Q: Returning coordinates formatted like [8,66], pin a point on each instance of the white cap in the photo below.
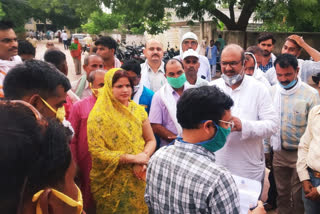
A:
[189,35]
[190,52]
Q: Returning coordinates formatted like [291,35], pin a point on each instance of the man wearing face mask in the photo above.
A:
[293,99]
[40,84]
[79,143]
[163,107]
[141,94]
[253,115]
[190,181]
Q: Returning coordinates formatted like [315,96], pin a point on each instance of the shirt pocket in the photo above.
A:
[299,114]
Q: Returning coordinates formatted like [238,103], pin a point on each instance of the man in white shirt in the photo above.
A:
[190,41]
[191,66]
[152,70]
[8,51]
[293,45]
[64,37]
[253,115]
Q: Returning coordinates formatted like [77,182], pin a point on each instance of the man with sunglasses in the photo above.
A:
[190,41]
[40,84]
[254,117]
[191,66]
[8,51]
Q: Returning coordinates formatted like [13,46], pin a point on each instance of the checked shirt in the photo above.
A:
[183,178]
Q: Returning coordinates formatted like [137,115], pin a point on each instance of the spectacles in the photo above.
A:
[232,63]
[231,124]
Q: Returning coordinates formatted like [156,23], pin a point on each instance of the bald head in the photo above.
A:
[235,50]
[153,51]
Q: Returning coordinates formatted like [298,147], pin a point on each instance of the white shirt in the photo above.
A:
[307,68]
[153,80]
[243,153]
[259,75]
[64,36]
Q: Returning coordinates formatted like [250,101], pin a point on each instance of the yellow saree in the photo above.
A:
[114,129]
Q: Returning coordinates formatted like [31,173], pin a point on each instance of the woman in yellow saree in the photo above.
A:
[121,142]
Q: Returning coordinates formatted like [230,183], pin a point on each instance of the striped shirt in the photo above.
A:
[184,178]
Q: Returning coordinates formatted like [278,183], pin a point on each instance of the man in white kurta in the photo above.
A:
[253,115]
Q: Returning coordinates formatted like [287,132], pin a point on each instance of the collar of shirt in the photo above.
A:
[190,147]
[318,112]
[160,69]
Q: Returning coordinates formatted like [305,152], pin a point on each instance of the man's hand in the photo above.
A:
[237,124]
[299,40]
[268,160]
[313,194]
[307,186]
[259,209]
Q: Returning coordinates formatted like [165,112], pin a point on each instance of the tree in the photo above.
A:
[289,15]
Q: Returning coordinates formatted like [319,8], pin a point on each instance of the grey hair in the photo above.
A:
[92,74]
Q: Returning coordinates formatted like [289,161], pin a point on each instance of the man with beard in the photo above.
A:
[293,99]
[8,51]
[191,65]
[266,42]
[254,117]
[152,70]
[293,45]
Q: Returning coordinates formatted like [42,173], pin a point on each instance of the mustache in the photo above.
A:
[13,48]
[285,82]
[230,72]
[156,55]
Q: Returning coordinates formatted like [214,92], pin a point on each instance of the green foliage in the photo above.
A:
[2,13]
[289,15]
[99,21]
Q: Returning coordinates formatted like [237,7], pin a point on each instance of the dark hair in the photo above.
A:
[172,60]
[19,148]
[55,57]
[255,50]
[25,47]
[121,73]
[31,77]
[108,42]
[55,157]
[220,36]
[294,42]
[6,25]
[132,65]
[203,103]
[286,60]
[265,36]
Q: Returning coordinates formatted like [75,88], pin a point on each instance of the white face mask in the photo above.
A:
[136,88]
[230,81]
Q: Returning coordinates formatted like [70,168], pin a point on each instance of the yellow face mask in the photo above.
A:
[94,90]
[60,112]
[71,202]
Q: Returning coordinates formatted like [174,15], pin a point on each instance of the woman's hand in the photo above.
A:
[141,158]
[140,171]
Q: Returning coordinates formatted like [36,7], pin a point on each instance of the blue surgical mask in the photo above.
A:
[217,141]
[291,84]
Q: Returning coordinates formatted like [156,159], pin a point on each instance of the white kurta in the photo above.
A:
[243,153]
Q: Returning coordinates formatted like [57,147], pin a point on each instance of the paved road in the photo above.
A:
[41,49]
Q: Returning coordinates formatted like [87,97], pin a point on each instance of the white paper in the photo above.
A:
[249,192]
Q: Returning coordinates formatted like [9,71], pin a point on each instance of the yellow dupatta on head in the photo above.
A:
[113,129]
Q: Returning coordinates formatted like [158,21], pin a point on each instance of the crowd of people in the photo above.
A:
[160,137]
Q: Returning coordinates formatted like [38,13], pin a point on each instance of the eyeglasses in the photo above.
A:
[231,124]
[232,63]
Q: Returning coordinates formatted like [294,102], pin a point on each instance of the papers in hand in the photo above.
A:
[249,192]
